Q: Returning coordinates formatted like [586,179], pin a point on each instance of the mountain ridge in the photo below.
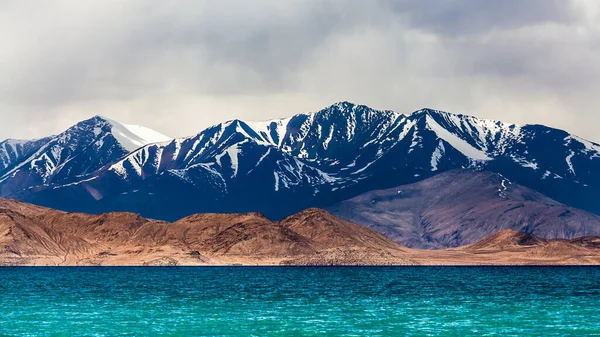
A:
[281,166]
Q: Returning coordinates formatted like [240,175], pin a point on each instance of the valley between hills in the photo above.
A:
[36,236]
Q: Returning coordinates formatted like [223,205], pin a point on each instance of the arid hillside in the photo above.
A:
[32,235]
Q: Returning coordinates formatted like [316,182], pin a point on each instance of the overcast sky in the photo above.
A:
[181,66]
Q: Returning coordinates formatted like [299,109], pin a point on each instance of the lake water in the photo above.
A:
[291,301]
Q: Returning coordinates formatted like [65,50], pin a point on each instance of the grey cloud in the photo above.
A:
[181,66]
[224,48]
[466,17]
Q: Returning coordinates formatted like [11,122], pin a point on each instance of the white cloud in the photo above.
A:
[179,67]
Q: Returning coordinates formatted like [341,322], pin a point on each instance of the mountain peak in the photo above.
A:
[81,149]
[432,112]
[130,136]
[343,104]
[99,118]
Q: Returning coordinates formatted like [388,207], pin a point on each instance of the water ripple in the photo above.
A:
[288,301]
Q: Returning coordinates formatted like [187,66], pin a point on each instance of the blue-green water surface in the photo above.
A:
[282,301]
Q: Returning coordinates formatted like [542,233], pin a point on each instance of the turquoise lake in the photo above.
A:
[292,301]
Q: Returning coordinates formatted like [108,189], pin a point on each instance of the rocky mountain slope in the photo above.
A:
[280,167]
[461,207]
[33,235]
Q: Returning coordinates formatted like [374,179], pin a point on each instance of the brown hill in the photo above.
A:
[36,235]
[505,240]
[330,231]
[346,243]
[31,235]
[461,207]
[510,247]
[510,241]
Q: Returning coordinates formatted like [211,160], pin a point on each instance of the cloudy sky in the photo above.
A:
[181,66]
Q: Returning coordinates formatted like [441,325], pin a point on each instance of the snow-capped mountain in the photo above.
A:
[64,159]
[281,166]
[12,151]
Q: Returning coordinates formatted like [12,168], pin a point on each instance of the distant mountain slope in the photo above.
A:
[280,167]
[460,207]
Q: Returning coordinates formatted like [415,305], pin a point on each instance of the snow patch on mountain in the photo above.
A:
[524,162]
[232,152]
[13,150]
[132,137]
[459,144]
[490,135]
[591,149]
[181,174]
[437,155]
[75,183]
[276,175]
[10,148]
[261,159]
[328,139]
[569,163]
[502,190]
[272,131]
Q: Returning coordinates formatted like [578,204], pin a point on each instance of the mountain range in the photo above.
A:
[280,167]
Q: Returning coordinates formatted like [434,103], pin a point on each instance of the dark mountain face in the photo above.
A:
[460,207]
[312,160]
